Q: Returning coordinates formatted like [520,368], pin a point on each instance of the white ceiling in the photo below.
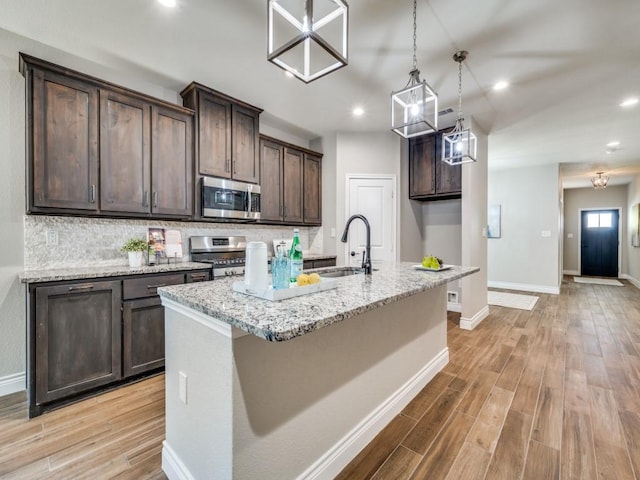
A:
[570,63]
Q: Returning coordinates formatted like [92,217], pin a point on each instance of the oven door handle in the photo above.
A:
[247,203]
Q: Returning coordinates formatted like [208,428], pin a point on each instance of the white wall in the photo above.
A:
[411,215]
[442,233]
[633,257]
[474,242]
[522,258]
[576,199]
[12,206]
[364,153]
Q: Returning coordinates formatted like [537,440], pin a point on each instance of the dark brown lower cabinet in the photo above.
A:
[77,342]
[325,262]
[142,336]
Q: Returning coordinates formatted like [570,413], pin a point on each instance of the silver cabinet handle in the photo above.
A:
[82,287]
[155,199]
[92,194]
[145,199]
[156,286]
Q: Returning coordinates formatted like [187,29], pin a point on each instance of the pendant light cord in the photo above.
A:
[459,90]
[415,56]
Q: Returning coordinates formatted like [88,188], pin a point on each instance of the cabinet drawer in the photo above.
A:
[148,286]
[193,277]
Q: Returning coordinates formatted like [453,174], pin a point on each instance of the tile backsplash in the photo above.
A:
[97,241]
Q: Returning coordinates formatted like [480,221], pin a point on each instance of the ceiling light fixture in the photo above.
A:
[168,3]
[414,109]
[613,144]
[599,181]
[358,112]
[501,85]
[459,145]
[307,38]
[629,102]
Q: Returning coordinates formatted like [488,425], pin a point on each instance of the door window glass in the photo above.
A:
[599,220]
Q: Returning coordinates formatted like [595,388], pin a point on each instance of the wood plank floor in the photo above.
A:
[552,393]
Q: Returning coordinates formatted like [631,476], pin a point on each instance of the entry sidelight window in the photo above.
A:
[599,220]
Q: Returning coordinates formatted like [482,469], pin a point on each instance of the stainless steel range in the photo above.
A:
[225,254]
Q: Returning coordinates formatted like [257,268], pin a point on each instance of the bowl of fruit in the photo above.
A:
[431,263]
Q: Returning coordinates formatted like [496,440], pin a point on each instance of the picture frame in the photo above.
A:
[635,225]
[493,221]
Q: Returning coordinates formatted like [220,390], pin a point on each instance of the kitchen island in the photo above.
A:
[296,388]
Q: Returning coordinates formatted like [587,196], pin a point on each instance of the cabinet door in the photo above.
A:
[142,336]
[214,136]
[124,153]
[63,114]
[293,164]
[77,338]
[171,163]
[245,137]
[312,190]
[271,155]
[422,152]
[448,177]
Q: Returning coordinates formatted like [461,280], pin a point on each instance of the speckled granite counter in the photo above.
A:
[287,319]
[237,406]
[78,273]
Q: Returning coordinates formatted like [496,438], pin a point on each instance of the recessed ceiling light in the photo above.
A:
[168,3]
[358,111]
[629,102]
[613,144]
[501,85]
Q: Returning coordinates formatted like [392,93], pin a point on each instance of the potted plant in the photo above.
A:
[134,247]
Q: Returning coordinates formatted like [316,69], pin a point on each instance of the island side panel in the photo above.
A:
[199,432]
[301,408]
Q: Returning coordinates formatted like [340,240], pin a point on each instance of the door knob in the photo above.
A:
[353,254]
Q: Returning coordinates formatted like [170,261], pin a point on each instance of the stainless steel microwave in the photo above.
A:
[222,198]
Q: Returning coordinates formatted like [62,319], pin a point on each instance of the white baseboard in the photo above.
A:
[471,323]
[16,382]
[172,466]
[571,272]
[525,287]
[633,281]
[338,456]
[454,307]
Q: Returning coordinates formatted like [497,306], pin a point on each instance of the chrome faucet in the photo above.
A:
[366,258]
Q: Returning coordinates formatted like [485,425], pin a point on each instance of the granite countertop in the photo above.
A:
[77,273]
[287,319]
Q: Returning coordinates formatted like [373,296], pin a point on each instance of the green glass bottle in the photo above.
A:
[295,256]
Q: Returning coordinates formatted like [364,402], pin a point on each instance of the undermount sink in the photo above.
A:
[343,272]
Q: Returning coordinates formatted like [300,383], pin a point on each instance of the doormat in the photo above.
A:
[512,300]
[598,281]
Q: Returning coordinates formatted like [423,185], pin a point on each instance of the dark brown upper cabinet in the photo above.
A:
[227,134]
[125,153]
[312,190]
[291,183]
[100,149]
[429,177]
[62,145]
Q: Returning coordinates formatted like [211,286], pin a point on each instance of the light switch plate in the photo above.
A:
[569,235]
[546,233]
[182,387]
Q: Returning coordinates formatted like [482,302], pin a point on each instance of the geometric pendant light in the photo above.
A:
[414,109]
[307,38]
[459,145]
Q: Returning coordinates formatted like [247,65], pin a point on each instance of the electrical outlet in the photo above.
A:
[452,297]
[52,237]
[333,233]
[182,387]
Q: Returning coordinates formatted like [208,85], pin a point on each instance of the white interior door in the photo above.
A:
[375,198]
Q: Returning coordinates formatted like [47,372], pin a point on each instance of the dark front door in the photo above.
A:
[599,243]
